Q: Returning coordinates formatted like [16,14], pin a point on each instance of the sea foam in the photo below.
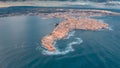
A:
[68,49]
[70,34]
[110,28]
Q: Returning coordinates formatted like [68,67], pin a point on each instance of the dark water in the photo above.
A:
[20,45]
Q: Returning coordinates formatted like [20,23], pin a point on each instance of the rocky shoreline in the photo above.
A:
[74,20]
[69,24]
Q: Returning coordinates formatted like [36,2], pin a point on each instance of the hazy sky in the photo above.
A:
[63,0]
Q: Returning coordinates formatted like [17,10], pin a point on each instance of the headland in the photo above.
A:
[72,21]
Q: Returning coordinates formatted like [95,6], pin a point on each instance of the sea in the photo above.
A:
[20,41]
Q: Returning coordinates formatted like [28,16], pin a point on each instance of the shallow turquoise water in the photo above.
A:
[20,45]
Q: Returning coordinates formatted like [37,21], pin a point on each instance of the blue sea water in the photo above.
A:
[20,45]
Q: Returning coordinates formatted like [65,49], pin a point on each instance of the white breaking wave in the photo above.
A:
[110,28]
[78,41]
[70,34]
[109,5]
[68,49]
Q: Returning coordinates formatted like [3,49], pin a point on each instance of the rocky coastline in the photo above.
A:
[68,24]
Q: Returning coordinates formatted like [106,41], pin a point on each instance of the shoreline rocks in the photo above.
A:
[70,23]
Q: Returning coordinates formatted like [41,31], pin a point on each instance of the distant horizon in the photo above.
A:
[62,0]
[113,4]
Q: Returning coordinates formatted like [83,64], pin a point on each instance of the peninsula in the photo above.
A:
[74,19]
[68,24]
